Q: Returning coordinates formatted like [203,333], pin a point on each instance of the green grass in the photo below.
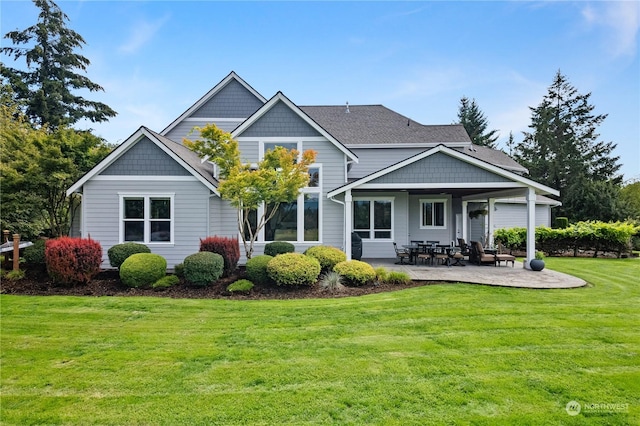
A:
[444,354]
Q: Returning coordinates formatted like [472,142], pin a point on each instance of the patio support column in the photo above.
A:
[465,218]
[491,221]
[531,227]
[347,223]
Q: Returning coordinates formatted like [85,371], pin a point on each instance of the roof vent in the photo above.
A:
[347,111]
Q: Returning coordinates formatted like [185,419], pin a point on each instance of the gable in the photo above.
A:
[232,101]
[145,159]
[439,168]
[279,121]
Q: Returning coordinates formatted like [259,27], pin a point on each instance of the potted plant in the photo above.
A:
[537,264]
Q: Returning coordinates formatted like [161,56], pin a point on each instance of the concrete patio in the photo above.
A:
[503,276]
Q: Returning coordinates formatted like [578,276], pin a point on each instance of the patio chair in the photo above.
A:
[465,249]
[479,256]
[501,256]
[401,254]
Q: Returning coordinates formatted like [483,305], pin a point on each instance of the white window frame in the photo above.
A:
[147,216]
[372,230]
[432,201]
[276,141]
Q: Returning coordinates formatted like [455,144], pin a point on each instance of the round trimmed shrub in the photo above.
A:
[240,286]
[165,282]
[72,260]
[120,252]
[203,268]
[256,269]
[293,269]
[355,272]
[34,255]
[328,256]
[278,247]
[142,269]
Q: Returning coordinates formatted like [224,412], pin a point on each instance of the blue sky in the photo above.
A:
[156,58]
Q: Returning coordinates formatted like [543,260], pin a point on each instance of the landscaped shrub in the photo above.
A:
[119,253]
[331,281]
[355,272]
[34,255]
[381,274]
[278,247]
[165,282]
[228,248]
[72,260]
[203,268]
[328,256]
[256,269]
[15,275]
[142,269]
[179,270]
[398,277]
[240,286]
[293,269]
[561,222]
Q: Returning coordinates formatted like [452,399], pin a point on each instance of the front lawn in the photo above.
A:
[428,355]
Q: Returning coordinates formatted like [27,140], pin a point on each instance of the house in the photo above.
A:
[378,173]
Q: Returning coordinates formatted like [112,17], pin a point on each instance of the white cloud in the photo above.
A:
[621,19]
[141,34]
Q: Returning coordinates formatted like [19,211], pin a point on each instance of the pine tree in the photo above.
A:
[562,150]
[47,85]
[475,123]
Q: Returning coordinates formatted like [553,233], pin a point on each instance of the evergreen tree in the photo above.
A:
[50,79]
[562,151]
[475,123]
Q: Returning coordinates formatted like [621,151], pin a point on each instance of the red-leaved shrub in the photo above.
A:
[226,247]
[73,260]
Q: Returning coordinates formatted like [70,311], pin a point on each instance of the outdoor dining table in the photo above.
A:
[413,252]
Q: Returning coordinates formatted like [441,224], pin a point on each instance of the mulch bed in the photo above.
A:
[107,283]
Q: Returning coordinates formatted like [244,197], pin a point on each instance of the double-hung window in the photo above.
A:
[373,218]
[146,218]
[433,214]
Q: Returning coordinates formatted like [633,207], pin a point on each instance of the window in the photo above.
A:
[146,218]
[373,218]
[433,214]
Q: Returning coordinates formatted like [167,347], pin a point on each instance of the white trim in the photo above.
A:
[423,145]
[440,185]
[147,196]
[214,119]
[516,179]
[146,178]
[372,228]
[261,143]
[445,202]
[280,97]
[210,94]
[282,139]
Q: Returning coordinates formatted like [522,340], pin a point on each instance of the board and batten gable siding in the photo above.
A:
[279,121]
[232,101]
[184,129]
[101,214]
[145,159]
[374,159]
[440,168]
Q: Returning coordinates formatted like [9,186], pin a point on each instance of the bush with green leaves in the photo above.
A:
[142,269]
[355,272]
[240,286]
[34,255]
[293,269]
[398,277]
[381,274]
[120,252]
[256,269]
[15,275]
[178,269]
[203,268]
[331,281]
[328,256]
[165,282]
[275,248]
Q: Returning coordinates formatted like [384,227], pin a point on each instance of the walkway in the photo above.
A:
[503,276]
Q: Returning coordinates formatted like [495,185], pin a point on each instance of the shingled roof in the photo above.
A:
[377,124]
[494,156]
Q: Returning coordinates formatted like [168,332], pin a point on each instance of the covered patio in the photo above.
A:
[501,276]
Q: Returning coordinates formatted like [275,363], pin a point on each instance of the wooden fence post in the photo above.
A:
[16,252]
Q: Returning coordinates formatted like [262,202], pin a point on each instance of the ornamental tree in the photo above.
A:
[277,178]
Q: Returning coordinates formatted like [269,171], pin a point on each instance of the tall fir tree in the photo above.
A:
[475,123]
[51,78]
[562,151]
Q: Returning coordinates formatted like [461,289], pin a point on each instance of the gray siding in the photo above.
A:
[440,168]
[515,215]
[374,159]
[183,129]
[102,221]
[145,159]
[280,121]
[445,235]
[232,101]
